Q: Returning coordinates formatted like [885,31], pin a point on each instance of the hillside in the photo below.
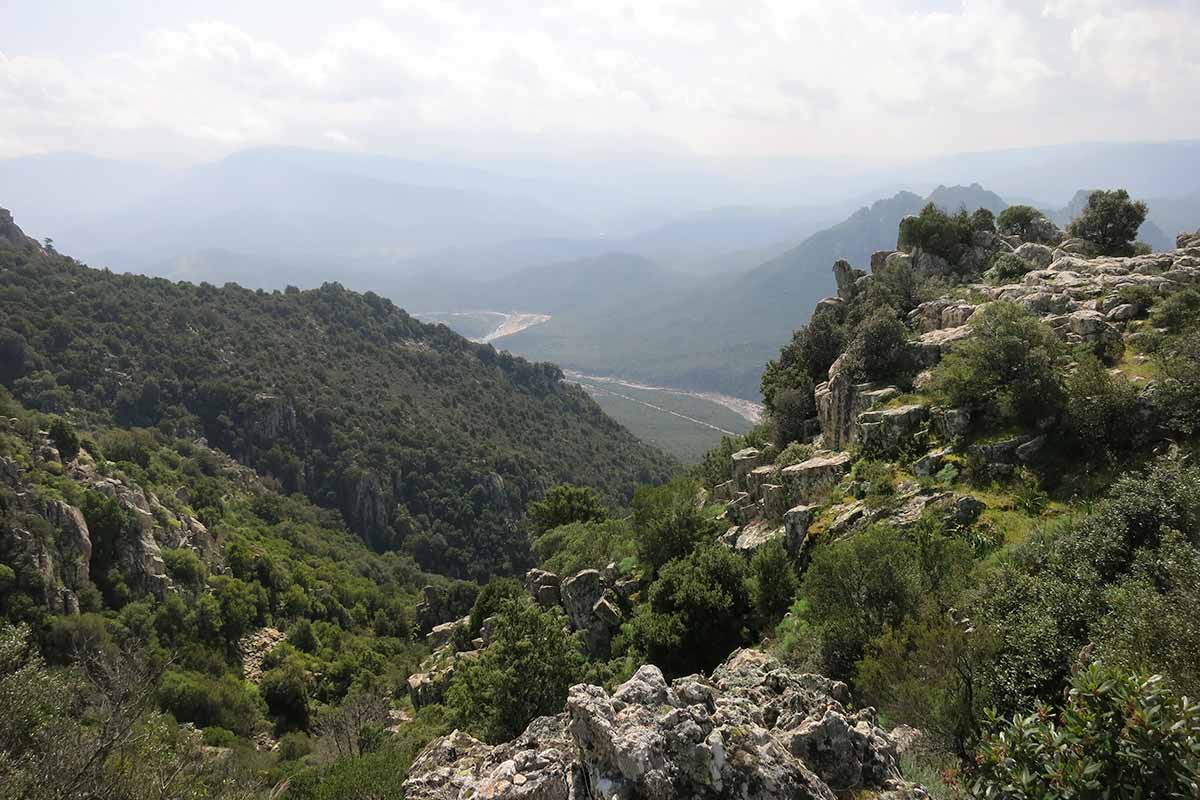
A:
[422,439]
[743,318]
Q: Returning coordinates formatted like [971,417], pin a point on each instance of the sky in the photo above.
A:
[188,80]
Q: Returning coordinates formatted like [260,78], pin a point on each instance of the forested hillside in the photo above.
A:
[422,439]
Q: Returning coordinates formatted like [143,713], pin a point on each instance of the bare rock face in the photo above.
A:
[808,479]
[12,236]
[753,730]
[890,431]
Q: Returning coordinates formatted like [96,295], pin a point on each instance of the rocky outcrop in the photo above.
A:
[254,648]
[839,402]
[747,539]
[891,431]
[427,686]
[753,730]
[846,278]
[808,480]
[595,602]
[12,236]
[744,462]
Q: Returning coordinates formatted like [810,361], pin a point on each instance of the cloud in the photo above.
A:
[723,78]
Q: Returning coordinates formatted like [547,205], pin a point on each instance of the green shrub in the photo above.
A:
[294,746]
[564,504]
[567,549]
[491,598]
[1007,369]
[792,409]
[1023,221]
[524,673]
[880,351]
[1118,735]
[184,566]
[774,583]
[794,453]
[1101,411]
[285,690]
[65,439]
[227,702]
[669,523]
[1137,294]
[1177,311]
[216,736]
[1007,268]
[934,231]
[1110,221]
[881,570]
[696,611]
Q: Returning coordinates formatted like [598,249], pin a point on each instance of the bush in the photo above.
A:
[216,736]
[227,702]
[806,359]
[1007,268]
[1137,294]
[669,523]
[1007,369]
[490,600]
[793,407]
[774,582]
[294,746]
[983,220]
[1023,221]
[564,504]
[934,231]
[880,350]
[285,690]
[1117,735]
[524,673]
[1177,311]
[1110,221]
[696,611]
[184,566]
[65,439]
[1101,413]
[880,569]
[567,549]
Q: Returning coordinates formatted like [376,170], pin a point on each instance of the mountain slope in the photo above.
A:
[717,336]
[421,438]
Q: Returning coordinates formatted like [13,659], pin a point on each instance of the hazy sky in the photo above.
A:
[188,79]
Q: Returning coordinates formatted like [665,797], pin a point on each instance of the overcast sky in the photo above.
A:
[189,79]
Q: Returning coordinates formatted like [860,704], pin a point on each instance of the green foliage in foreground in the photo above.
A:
[524,673]
[1118,736]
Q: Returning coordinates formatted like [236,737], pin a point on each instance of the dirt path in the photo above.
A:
[747,409]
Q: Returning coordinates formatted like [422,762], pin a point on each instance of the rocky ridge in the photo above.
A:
[753,729]
[1077,293]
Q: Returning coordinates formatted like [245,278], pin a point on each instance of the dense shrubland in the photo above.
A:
[424,441]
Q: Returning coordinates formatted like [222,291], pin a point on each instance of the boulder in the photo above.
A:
[756,478]
[950,424]
[796,522]
[443,634]
[889,431]
[931,346]
[744,461]
[747,539]
[580,593]
[931,463]
[544,587]
[846,277]
[774,500]
[741,509]
[1122,313]
[723,492]
[806,481]
[1037,254]
[1186,241]
[966,509]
